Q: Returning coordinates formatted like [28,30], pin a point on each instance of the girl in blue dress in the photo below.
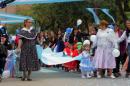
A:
[86,65]
[10,60]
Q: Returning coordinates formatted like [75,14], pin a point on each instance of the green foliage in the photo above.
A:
[54,16]
[61,15]
[11,29]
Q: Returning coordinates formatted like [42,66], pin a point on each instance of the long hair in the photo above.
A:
[127,30]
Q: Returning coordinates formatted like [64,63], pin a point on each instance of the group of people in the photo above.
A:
[108,38]
[19,55]
[96,55]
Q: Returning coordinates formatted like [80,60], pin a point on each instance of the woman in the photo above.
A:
[105,44]
[52,39]
[28,57]
[59,43]
[126,36]
[75,36]
[40,38]
[122,47]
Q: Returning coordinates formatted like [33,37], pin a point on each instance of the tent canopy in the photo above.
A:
[12,18]
[11,21]
[20,2]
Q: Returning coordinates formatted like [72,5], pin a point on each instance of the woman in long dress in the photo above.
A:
[28,58]
[105,44]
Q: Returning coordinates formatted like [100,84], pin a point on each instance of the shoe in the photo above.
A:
[127,75]
[117,74]
[71,70]
[29,79]
[99,76]
[112,76]
[83,77]
[22,79]
[89,76]
[18,77]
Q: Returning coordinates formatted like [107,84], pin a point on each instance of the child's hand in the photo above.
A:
[18,50]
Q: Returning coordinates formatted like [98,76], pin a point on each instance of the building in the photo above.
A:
[14,9]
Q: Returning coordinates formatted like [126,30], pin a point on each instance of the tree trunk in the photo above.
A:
[120,7]
[126,5]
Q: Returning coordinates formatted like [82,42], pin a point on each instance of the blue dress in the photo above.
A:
[10,61]
[86,64]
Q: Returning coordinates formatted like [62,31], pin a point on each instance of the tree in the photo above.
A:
[61,15]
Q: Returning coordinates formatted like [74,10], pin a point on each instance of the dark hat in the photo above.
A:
[4,35]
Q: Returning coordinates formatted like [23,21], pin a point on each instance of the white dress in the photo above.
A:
[106,42]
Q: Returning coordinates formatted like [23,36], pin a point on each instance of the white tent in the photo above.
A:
[20,2]
[12,18]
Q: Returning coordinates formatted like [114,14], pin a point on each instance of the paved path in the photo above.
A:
[53,77]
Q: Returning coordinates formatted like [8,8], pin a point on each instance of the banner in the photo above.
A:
[50,58]
[106,11]
[96,18]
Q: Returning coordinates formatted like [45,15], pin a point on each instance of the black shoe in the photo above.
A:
[18,77]
[117,74]
[127,75]
[22,79]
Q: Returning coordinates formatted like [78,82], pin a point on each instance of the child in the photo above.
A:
[86,65]
[10,61]
[73,66]
[68,52]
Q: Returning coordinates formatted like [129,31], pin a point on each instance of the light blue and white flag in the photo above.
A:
[48,57]
[96,18]
[106,11]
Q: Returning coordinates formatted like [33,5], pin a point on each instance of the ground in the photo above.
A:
[56,77]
